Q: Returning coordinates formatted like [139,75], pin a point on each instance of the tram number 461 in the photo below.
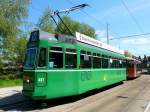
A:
[41,80]
[85,76]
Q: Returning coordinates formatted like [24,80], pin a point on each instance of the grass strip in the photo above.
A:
[9,83]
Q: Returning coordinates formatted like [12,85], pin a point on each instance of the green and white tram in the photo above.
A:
[58,66]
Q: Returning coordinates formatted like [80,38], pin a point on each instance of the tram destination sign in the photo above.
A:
[86,39]
[66,39]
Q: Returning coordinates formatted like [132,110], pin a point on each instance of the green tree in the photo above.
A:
[45,23]
[128,54]
[12,15]
[21,47]
[12,12]
[74,26]
[9,48]
[87,30]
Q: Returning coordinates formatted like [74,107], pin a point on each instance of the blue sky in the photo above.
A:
[112,12]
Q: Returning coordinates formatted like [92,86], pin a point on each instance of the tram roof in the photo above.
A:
[101,50]
[133,59]
[70,39]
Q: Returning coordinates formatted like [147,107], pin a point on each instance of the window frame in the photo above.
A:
[73,52]
[97,57]
[104,58]
[90,55]
[35,60]
[45,59]
[49,58]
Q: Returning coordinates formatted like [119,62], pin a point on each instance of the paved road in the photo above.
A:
[8,91]
[10,95]
[132,96]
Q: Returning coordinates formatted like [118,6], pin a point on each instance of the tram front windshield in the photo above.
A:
[30,58]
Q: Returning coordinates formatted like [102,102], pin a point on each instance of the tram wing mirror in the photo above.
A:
[51,64]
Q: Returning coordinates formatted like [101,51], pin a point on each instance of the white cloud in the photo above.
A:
[101,35]
[137,46]
[135,41]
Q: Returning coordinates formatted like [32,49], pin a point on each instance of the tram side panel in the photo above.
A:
[56,84]
[99,78]
[62,83]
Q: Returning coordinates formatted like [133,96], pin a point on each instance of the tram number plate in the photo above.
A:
[41,79]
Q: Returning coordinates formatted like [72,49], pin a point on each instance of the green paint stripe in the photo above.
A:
[71,70]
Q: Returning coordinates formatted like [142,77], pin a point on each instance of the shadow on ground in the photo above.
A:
[30,105]
[145,73]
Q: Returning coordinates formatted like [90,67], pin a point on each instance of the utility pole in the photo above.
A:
[107,33]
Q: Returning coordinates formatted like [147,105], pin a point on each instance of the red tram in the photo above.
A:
[133,68]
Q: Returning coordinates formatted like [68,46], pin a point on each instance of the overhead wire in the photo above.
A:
[132,16]
[129,36]
[119,37]
[94,18]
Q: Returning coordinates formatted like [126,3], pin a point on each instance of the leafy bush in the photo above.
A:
[10,76]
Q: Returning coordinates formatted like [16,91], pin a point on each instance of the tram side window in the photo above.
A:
[97,62]
[110,62]
[120,64]
[113,65]
[70,58]
[42,57]
[85,60]
[117,63]
[105,63]
[124,64]
[56,57]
